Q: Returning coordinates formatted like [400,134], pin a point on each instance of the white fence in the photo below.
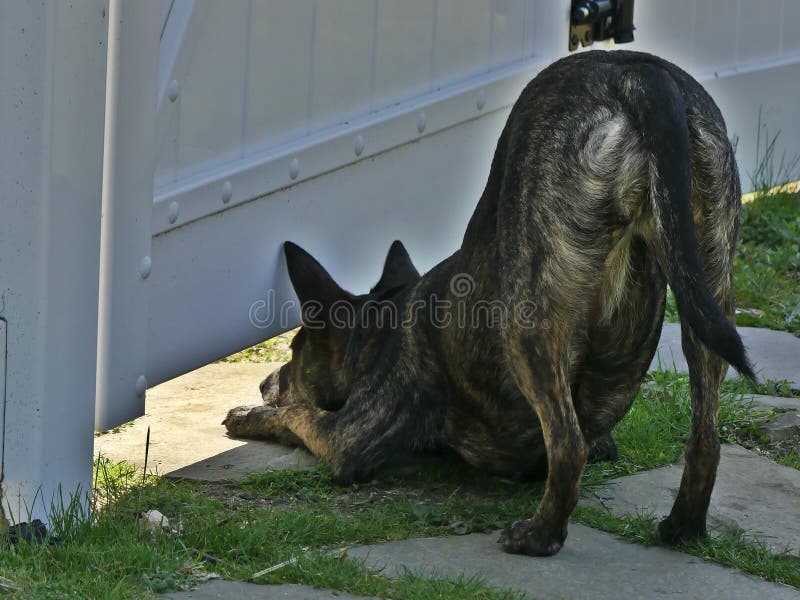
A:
[233,126]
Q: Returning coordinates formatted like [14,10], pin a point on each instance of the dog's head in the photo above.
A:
[334,329]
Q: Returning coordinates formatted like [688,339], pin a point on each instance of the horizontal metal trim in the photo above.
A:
[260,175]
[745,68]
[278,168]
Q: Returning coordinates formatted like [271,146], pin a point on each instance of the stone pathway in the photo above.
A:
[775,354]
[783,425]
[753,495]
[219,589]
[592,565]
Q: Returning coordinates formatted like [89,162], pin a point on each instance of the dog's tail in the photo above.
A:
[656,103]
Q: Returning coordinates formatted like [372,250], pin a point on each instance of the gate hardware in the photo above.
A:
[597,20]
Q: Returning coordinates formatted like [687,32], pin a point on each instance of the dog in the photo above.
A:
[612,178]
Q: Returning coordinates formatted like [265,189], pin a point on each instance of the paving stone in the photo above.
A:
[592,565]
[782,426]
[187,438]
[297,460]
[219,589]
[762,402]
[774,353]
[752,495]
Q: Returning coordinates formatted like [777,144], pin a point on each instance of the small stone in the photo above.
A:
[154,520]
[32,533]
[782,426]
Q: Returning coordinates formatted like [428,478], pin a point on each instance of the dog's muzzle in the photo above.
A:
[274,385]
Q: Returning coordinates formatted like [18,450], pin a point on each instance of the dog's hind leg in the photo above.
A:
[718,205]
[687,519]
[539,368]
[620,346]
[374,424]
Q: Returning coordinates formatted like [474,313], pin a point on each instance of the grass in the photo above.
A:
[792,459]
[767,264]
[114,556]
[276,349]
[236,530]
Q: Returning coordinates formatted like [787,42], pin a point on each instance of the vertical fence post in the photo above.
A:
[128,167]
[52,98]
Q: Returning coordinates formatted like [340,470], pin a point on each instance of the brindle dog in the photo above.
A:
[613,176]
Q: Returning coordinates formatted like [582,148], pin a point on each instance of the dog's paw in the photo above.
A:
[262,422]
[670,532]
[525,537]
[604,449]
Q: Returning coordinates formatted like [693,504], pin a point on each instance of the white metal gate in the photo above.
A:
[233,126]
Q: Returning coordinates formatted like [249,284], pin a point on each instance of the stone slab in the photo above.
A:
[781,427]
[775,354]
[219,589]
[762,402]
[752,494]
[187,438]
[592,565]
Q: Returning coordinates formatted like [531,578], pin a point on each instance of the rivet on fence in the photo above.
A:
[227,192]
[480,101]
[145,266]
[173,212]
[141,385]
[173,90]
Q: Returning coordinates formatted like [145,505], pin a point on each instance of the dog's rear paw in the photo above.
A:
[670,532]
[524,537]
[604,449]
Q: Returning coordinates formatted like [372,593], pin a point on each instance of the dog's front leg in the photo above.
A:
[351,442]
[567,451]
[259,422]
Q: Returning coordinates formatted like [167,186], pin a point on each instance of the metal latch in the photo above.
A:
[597,20]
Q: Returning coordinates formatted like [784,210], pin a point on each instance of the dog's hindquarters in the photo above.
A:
[695,202]
[568,241]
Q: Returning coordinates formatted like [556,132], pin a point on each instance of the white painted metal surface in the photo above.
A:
[747,54]
[339,124]
[300,90]
[52,91]
[362,99]
[128,163]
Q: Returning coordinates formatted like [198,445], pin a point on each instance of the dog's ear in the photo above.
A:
[310,280]
[398,270]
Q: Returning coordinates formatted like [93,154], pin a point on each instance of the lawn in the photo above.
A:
[767,265]
[236,530]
